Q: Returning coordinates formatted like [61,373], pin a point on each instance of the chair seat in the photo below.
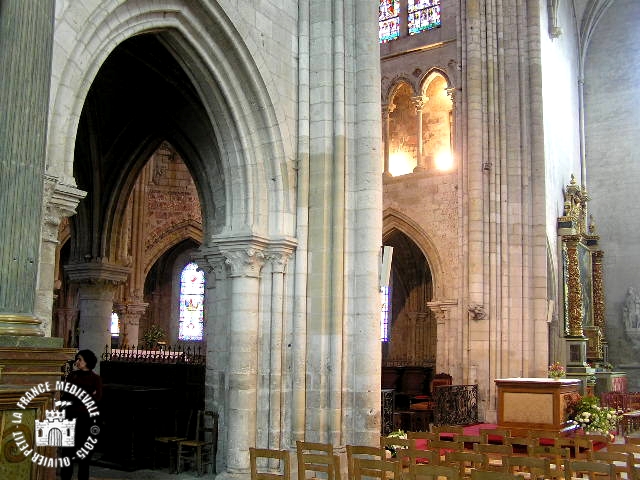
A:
[169,439]
[193,443]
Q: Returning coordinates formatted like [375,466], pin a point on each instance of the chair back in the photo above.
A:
[466,461]
[269,464]
[498,435]
[450,429]
[419,456]
[433,472]
[580,445]
[588,469]
[317,458]
[362,451]
[536,468]
[495,453]
[621,461]
[493,475]
[382,469]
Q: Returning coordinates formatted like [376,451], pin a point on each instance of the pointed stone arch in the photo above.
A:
[250,152]
[395,220]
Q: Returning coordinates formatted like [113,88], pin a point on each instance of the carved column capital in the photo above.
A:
[60,201]
[441,309]
[245,262]
[418,102]
[97,273]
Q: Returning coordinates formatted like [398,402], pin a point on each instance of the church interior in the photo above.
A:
[316,224]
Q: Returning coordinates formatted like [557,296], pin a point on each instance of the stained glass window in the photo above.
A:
[115,324]
[385,294]
[423,15]
[191,323]
[389,20]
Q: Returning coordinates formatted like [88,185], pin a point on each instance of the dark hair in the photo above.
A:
[89,358]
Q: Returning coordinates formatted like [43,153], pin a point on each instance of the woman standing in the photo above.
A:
[84,377]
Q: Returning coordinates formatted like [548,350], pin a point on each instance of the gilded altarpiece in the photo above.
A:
[583,285]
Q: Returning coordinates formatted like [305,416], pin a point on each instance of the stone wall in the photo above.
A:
[612,108]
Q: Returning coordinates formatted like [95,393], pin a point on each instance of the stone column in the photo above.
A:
[66,324]
[418,104]
[278,261]
[441,310]
[130,313]
[245,264]
[26,39]
[97,284]
[387,109]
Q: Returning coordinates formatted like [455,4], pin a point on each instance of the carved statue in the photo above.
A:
[631,310]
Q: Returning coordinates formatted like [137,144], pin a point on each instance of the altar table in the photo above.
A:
[535,403]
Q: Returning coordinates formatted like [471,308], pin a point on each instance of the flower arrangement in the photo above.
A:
[393,449]
[556,370]
[152,336]
[587,414]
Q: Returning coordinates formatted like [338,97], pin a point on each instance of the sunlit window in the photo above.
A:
[385,294]
[389,20]
[423,15]
[191,323]
[115,324]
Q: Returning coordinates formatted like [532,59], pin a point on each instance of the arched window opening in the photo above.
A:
[403,133]
[115,325]
[423,15]
[385,294]
[437,124]
[191,320]
[389,20]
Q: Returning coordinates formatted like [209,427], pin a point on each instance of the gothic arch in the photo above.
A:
[243,120]
[394,220]
[429,75]
[395,85]
[170,238]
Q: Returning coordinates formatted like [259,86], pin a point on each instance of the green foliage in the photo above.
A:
[152,336]
[587,414]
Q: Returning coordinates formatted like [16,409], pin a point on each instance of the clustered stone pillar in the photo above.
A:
[26,40]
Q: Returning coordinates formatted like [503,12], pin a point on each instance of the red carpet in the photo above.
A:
[477,430]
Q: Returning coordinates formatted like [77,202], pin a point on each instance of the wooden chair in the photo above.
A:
[496,433]
[317,458]
[632,440]
[466,462]
[381,469]
[468,441]
[580,445]
[397,446]
[622,462]
[495,453]
[433,472]
[362,451]
[556,456]
[492,475]
[448,430]
[587,469]
[166,442]
[202,449]
[543,437]
[445,446]
[520,445]
[530,467]
[263,464]
[419,456]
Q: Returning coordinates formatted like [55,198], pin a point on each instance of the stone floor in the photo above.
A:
[101,473]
